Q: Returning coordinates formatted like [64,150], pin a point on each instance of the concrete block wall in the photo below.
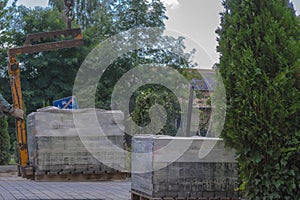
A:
[55,145]
[215,175]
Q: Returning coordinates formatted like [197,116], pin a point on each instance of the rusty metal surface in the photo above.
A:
[69,14]
[52,35]
[46,47]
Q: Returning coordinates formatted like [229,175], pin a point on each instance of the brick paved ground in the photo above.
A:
[16,188]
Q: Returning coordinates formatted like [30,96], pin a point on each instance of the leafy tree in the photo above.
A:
[130,14]
[4,142]
[156,94]
[50,75]
[5,39]
[137,13]
[59,4]
[46,76]
[124,14]
[3,12]
[86,11]
[112,17]
[260,48]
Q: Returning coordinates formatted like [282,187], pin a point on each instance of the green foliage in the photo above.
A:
[59,4]
[139,13]
[150,95]
[190,74]
[260,56]
[4,142]
[102,19]
[140,57]
[47,76]
[113,16]
[44,76]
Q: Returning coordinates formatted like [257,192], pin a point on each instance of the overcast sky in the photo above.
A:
[197,19]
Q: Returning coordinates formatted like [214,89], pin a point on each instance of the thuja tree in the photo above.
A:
[259,59]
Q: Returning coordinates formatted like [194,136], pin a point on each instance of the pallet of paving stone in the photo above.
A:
[77,177]
[189,175]
[60,146]
[56,154]
[139,196]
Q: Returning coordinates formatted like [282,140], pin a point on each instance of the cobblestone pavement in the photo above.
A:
[16,188]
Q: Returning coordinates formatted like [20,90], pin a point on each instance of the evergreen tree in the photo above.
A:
[4,142]
[260,53]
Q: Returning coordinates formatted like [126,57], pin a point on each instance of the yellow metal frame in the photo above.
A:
[18,103]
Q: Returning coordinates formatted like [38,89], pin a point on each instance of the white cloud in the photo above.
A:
[171,4]
[31,3]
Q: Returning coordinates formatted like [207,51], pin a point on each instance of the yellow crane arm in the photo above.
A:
[74,39]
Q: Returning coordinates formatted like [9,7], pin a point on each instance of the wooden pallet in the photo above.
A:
[58,177]
[139,196]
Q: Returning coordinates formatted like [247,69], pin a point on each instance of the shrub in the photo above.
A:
[4,142]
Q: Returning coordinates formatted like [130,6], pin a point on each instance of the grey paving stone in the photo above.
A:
[5,195]
[28,190]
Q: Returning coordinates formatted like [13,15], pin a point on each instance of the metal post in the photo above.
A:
[69,13]
[189,112]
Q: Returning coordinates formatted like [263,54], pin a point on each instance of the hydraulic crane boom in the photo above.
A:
[74,39]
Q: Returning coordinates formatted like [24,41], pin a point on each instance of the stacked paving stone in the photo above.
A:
[57,146]
[175,171]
